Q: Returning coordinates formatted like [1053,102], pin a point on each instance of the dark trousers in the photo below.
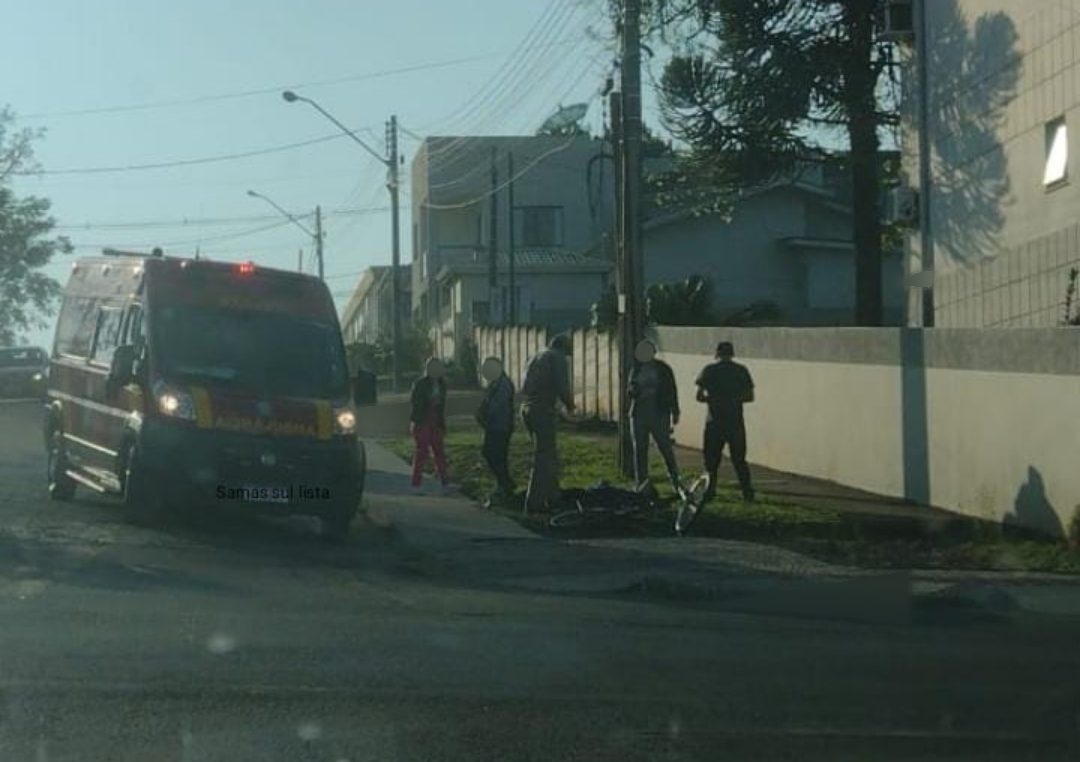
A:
[734,437]
[644,426]
[543,493]
[496,452]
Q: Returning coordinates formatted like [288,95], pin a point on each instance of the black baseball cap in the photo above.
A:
[725,349]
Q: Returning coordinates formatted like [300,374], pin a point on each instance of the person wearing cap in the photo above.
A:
[654,408]
[496,418]
[725,386]
[547,382]
[427,422]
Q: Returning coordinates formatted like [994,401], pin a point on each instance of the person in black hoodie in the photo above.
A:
[654,408]
[496,418]
[427,422]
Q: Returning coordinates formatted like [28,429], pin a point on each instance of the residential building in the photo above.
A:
[562,197]
[788,243]
[367,316]
[1002,108]
[553,288]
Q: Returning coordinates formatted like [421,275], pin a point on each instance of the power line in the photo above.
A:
[268,90]
[184,162]
[209,221]
[517,86]
[517,176]
[484,102]
[514,57]
[479,166]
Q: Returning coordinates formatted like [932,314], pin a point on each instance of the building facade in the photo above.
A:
[1002,112]
[367,317]
[554,289]
[461,204]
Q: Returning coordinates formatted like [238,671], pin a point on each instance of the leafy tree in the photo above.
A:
[27,296]
[755,88]
[686,303]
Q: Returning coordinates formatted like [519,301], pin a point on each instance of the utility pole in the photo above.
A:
[631,143]
[628,156]
[622,288]
[395,266]
[300,261]
[318,239]
[493,237]
[510,242]
[924,302]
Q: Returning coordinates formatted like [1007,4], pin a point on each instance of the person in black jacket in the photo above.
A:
[725,386]
[496,418]
[654,408]
[427,422]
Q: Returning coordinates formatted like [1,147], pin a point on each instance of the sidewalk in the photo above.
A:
[453,536]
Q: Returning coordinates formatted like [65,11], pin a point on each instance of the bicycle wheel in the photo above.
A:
[691,505]
[579,516]
[567,520]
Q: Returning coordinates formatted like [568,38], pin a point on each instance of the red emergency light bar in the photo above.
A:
[245,268]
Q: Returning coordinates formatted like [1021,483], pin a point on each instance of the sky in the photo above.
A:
[125,83]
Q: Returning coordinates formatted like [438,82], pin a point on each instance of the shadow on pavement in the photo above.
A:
[23,560]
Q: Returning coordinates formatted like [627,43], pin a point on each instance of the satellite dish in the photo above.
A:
[565,116]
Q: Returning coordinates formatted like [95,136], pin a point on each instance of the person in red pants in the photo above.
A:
[427,422]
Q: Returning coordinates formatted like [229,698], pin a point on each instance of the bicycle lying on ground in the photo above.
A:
[602,502]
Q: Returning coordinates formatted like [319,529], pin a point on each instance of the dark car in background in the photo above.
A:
[23,372]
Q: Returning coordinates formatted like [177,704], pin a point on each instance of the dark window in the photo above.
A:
[133,327]
[538,226]
[107,335]
[481,313]
[75,328]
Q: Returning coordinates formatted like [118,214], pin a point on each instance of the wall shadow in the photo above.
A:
[974,73]
[914,423]
[1032,510]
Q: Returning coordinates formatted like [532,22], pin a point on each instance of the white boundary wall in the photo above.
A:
[984,422]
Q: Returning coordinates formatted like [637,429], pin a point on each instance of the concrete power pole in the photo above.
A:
[510,229]
[300,261]
[631,153]
[924,302]
[493,236]
[626,447]
[395,267]
[318,240]
[626,122]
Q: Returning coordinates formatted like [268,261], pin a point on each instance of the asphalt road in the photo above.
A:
[233,639]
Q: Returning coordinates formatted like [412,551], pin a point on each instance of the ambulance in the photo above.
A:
[178,383]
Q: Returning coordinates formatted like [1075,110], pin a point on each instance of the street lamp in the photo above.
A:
[317,234]
[391,163]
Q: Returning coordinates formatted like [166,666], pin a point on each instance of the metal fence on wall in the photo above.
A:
[594,363]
